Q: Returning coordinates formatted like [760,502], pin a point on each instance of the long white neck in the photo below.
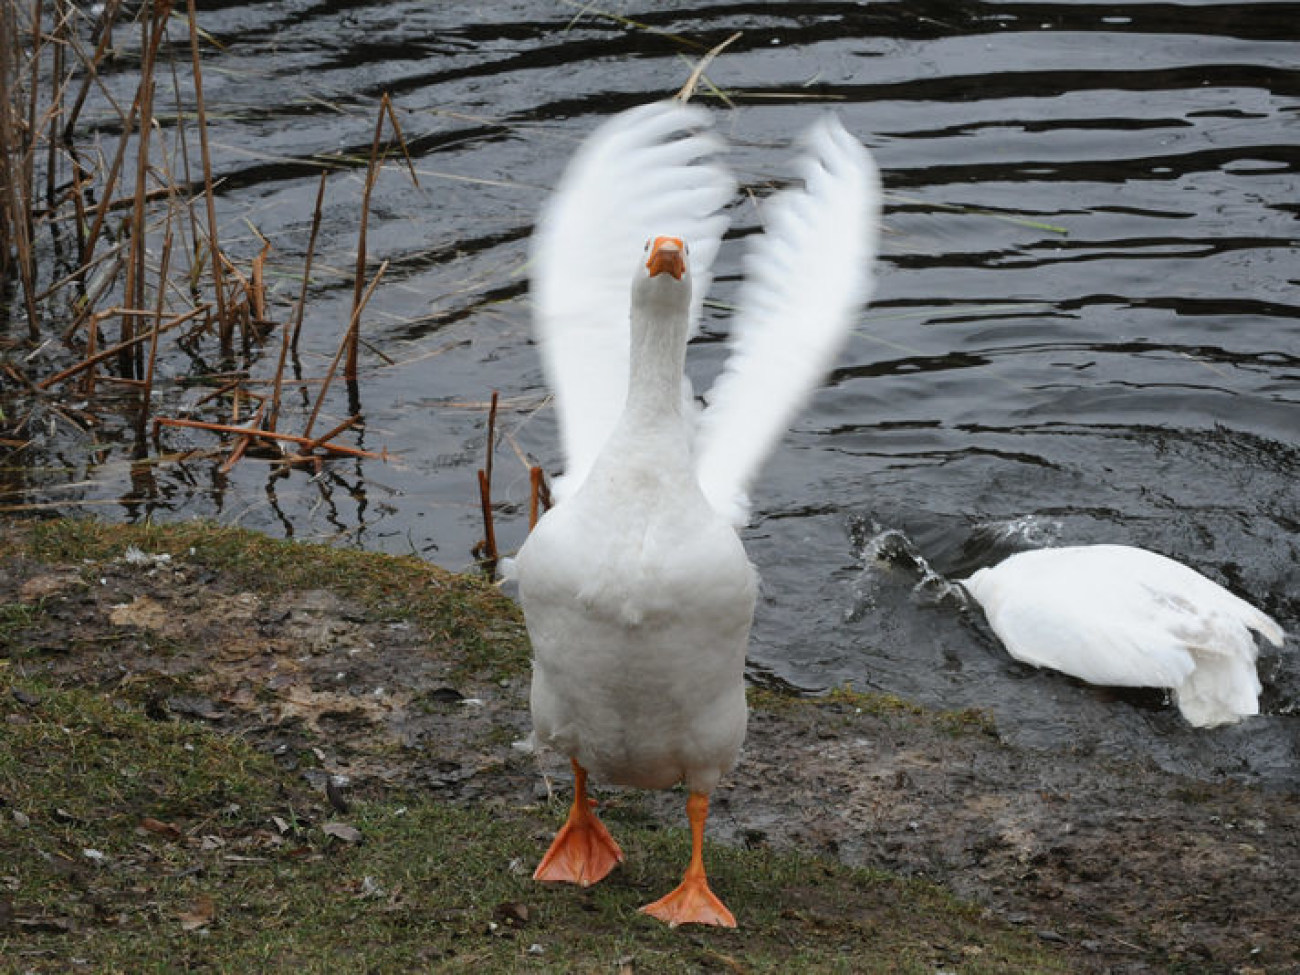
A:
[657,353]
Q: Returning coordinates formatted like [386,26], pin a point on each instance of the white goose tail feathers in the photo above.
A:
[806,278]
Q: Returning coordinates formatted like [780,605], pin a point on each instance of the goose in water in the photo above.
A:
[636,590]
[1122,616]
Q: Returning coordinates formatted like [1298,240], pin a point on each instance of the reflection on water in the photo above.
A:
[1087,323]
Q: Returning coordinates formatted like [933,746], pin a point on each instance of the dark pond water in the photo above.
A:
[1087,325]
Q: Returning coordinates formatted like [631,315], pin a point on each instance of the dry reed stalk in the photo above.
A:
[224,326]
[305,451]
[489,546]
[372,175]
[311,253]
[146,390]
[102,37]
[58,38]
[130,362]
[241,444]
[347,340]
[688,89]
[536,485]
[15,223]
[269,435]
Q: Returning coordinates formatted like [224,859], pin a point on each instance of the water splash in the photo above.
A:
[886,554]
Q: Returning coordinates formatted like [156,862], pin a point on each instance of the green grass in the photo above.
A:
[431,885]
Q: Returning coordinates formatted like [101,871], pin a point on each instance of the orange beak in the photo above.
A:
[667,255]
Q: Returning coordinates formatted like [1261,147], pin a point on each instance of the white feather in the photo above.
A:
[1123,616]
[646,172]
[806,277]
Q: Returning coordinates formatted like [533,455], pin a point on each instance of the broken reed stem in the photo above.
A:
[56,99]
[15,220]
[688,89]
[489,531]
[151,30]
[535,486]
[114,171]
[485,492]
[271,435]
[311,254]
[224,325]
[359,276]
[372,175]
[241,445]
[491,436]
[304,452]
[99,357]
[102,36]
[146,390]
[353,324]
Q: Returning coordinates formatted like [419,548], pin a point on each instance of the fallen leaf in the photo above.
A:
[169,830]
[145,612]
[342,831]
[200,914]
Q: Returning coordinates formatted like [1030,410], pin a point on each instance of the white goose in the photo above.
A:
[636,590]
[1122,616]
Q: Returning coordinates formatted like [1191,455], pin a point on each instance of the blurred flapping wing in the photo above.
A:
[806,278]
[646,172]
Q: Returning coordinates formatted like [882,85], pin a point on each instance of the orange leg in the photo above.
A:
[583,851]
[692,902]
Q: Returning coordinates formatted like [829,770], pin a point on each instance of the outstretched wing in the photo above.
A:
[806,279]
[646,172]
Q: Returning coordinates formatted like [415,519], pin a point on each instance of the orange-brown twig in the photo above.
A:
[489,531]
[485,492]
[241,431]
[535,486]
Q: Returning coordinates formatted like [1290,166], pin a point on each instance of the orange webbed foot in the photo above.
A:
[691,903]
[583,851]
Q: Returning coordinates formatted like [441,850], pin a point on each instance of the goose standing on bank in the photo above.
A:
[636,590]
[1121,616]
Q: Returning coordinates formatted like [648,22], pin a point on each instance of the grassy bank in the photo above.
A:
[137,836]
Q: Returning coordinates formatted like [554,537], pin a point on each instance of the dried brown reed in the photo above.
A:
[165,272]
